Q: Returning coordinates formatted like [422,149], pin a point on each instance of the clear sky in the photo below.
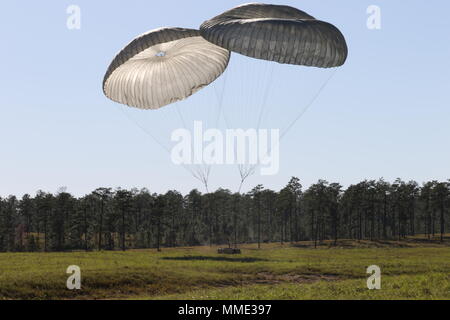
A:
[386,113]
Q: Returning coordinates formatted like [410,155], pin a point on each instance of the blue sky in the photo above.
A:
[386,113]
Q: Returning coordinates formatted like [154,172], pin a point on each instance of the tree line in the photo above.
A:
[108,219]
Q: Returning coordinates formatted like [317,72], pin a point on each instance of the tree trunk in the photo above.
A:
[158,244]
[385,218]
[86,245]
[100,231]
[123,231]
[259,224]
[442,220]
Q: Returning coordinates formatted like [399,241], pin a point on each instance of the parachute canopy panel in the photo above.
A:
[163,66]
[277,33]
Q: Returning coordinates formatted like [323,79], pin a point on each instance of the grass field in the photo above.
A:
[410,270]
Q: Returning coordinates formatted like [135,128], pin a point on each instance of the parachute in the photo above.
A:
[163,66]
[277,33]
[274,33]
[168,65]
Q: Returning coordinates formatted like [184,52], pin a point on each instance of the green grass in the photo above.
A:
[409,271]
[430,286]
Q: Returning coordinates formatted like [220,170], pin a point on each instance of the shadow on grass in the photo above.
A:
[206,258]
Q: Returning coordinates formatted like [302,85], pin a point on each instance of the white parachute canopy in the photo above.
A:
[156,71]
[163,66]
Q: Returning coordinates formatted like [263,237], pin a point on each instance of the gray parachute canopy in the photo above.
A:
[163,66]
[277,33]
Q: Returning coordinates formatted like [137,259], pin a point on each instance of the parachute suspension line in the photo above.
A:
[144,130]
[245,172]
[201,172]
[253,104]
[247,106]
[242,172]
[221,97]
[306,108]
[264,84]
[202,176]
[199,177]
[302,112]
[151,84]
[181,116]
[247,88]
[266,95]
